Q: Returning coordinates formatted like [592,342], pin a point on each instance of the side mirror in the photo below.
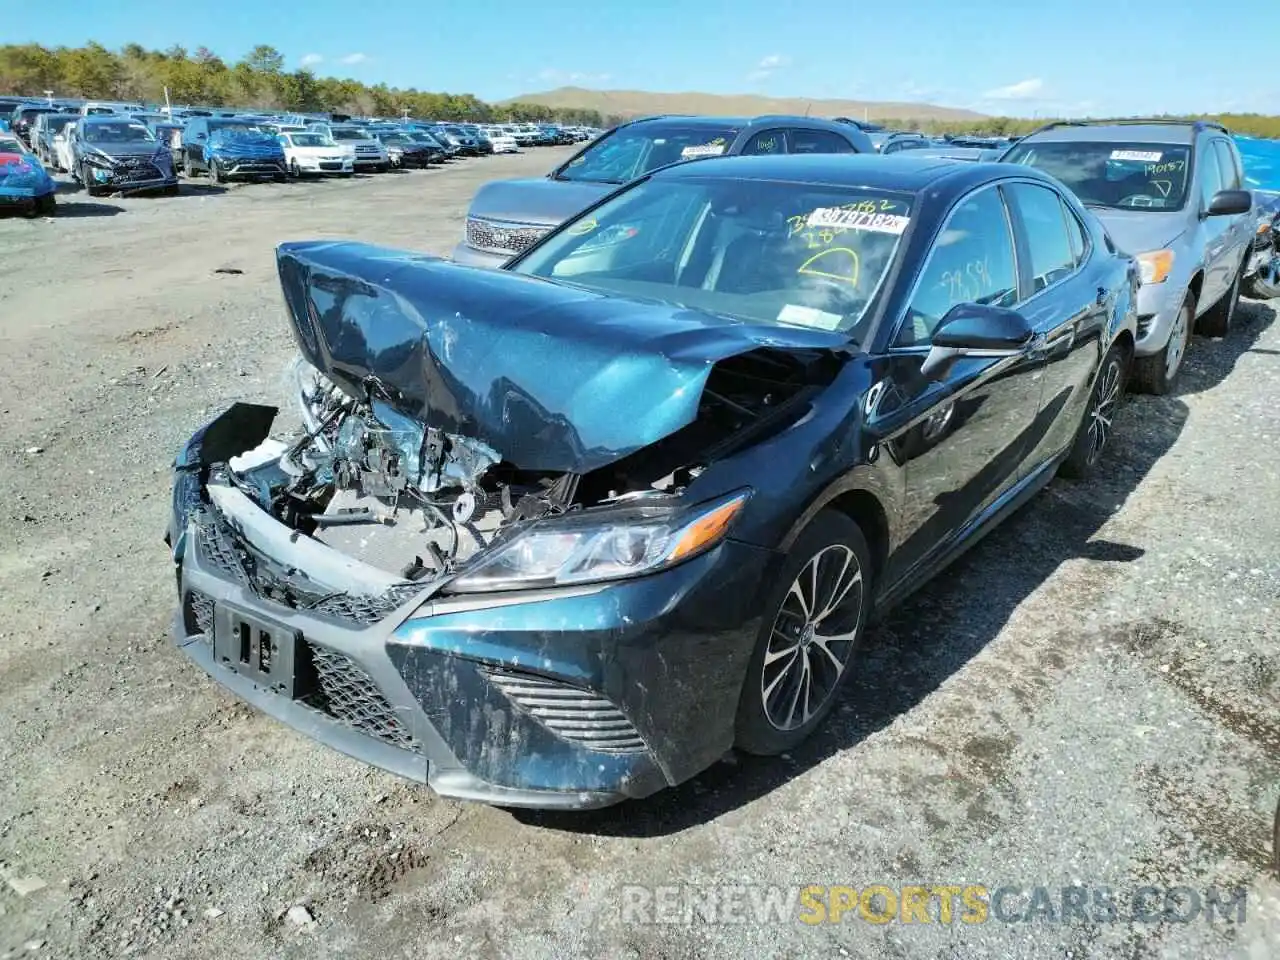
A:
[976,330]
[1229,202]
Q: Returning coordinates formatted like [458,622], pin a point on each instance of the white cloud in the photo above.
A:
[351,59]
[1022,90]
[311,60]
[768,66]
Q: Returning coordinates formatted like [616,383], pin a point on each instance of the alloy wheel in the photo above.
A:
[812,638]
[1106,397]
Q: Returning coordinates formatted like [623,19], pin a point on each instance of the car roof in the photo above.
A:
[893,173]
[1117,133]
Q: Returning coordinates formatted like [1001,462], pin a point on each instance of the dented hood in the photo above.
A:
[551,376]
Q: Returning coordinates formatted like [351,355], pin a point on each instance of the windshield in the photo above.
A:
[123,132]
[761,251]
[393,138]
[309,140]
[1145,176]
[236,126]
[419,137]
[634,151]
[349,133]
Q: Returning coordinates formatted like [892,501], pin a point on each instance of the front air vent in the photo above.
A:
[571,713]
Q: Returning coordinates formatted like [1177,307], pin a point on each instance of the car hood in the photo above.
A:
[1137,231]
[128,148]
[541,200]
[553,377]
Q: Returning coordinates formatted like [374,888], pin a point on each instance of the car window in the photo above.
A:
[1229,168]
[1210,175]
[817,141]
[1044,232]
[766,142]
[971,261]
[1075,233]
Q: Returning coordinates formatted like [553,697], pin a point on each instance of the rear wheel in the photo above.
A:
[815,616]
[1095,428]
[1216,321]
[1157,373]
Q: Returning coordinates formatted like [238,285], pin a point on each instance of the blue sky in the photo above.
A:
[1059,57]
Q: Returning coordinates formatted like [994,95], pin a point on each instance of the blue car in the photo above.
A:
[232,148]
[24,183]
[566,532]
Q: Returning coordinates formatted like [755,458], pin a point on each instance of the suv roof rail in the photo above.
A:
[1196,125]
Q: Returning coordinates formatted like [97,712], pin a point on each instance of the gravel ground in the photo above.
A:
[1091,697]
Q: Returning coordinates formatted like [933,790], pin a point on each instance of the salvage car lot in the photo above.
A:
[1089,697]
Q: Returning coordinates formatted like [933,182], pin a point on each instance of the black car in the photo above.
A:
[566,532]
[116,154]
[24,115]
[405,151]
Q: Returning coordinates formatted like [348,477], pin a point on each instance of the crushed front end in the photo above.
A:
[513,605]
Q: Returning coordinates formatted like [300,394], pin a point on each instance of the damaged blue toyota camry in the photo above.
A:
[565,533]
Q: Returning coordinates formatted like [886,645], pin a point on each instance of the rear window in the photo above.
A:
[1146,176]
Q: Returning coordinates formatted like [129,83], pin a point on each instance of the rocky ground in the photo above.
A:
[1091,697]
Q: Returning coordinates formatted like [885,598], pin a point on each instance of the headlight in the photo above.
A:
[1156,265]
[610,544]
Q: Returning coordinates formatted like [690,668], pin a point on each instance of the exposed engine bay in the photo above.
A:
[417,502]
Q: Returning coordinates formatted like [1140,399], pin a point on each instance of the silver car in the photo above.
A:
[509,216]
[1170,193]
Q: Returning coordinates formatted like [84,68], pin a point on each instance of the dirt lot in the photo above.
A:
[1091,697]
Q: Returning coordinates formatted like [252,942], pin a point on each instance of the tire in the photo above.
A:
[294,169]
[47,205]
[87,179]
[1265,284]
[1216,321]
[767,721]
[1158,373]
[215,175]
[172,190]
[1096,424]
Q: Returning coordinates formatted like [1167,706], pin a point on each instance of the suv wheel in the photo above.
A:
[1157,373]
[1216,321]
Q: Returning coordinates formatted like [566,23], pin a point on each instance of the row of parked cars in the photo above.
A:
[124,148]
[619,490]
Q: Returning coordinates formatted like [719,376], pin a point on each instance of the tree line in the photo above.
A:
[260,81]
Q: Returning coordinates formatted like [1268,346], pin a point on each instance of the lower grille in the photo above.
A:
[198,614]
[136,171]
[216,547]
[503,238]
[571,713]
[346,693]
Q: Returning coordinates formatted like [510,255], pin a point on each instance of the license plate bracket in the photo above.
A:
[260,648]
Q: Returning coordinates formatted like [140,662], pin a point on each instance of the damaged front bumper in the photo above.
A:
[569,697]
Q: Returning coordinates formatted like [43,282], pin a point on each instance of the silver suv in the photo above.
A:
[1170,193]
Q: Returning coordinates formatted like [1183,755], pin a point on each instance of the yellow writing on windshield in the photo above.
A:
[838,263]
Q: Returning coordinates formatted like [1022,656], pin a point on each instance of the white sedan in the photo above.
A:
[307,152]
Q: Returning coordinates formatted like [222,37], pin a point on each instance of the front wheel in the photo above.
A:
[1157,373]
[215,172]
[294,169]
[814,619]
[1099,417]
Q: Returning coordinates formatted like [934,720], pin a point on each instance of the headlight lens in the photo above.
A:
[1156,265]
[609,544]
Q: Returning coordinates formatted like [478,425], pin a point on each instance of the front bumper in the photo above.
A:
[1158,306]
[252,168]
[449,694]
[312,165]
[364,162]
